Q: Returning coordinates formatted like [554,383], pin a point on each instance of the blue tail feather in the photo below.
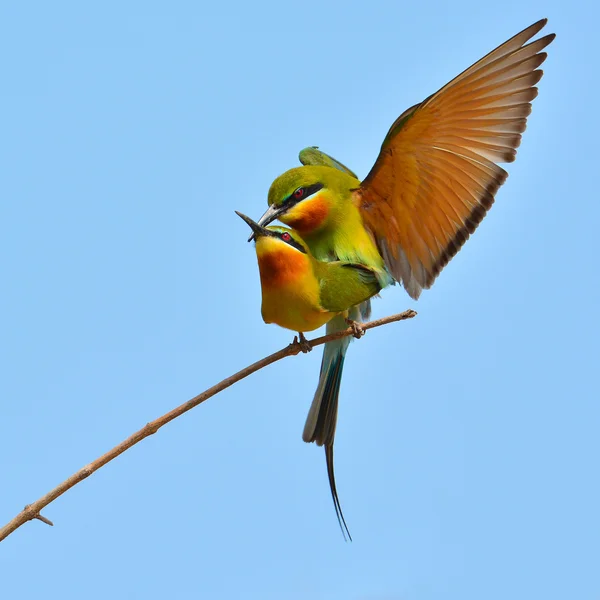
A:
[322,417]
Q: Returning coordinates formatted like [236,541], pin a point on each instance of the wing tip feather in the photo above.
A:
[535,28]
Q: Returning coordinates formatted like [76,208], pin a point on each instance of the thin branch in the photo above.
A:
[32,511]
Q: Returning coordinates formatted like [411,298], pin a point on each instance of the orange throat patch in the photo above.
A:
[308,215]
[281,266]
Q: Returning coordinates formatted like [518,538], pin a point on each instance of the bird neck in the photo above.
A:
[281,265]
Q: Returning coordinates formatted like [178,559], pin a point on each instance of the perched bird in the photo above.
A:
[302,294]
[433,182]
[299,292]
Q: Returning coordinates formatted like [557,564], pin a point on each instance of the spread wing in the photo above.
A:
[436,175]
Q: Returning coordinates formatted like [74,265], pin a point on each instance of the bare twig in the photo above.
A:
[32,511]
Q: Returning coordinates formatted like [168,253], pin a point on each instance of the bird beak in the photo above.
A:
[257,230]
[270,215]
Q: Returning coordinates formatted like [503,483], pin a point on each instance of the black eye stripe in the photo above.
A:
[308,191]
[313,189]
[292,242]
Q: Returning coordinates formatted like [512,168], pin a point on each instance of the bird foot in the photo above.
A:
[357,330]
[301,341]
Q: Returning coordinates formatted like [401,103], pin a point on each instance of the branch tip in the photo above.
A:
[44,520]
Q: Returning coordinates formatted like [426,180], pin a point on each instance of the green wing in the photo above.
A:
[344,285]
[315,158]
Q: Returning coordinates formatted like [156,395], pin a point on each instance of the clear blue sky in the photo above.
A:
[468,439]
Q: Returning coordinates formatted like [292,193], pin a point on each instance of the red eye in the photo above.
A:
[299,193]
[286,237]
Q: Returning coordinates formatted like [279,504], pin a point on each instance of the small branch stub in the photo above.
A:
[37,516]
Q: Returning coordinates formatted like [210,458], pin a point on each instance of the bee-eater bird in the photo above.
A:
[302,294]
[433,182]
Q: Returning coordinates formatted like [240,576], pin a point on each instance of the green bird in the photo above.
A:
[433,182]
[301,293]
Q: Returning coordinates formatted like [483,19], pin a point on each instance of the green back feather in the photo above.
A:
[312,156]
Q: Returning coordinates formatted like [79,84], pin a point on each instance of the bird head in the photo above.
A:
[275,239]
[308,198]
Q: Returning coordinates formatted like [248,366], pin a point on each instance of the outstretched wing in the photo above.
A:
[314,157]
[436,175]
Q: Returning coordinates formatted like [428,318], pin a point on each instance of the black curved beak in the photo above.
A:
[270,215]
[257,230]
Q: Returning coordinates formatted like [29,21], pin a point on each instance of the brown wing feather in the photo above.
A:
[436,175]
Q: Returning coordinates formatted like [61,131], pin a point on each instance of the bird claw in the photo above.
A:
[357,329]
[300,340]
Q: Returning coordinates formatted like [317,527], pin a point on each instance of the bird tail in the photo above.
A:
[322,416]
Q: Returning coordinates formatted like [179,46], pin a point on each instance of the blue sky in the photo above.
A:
[467,447]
